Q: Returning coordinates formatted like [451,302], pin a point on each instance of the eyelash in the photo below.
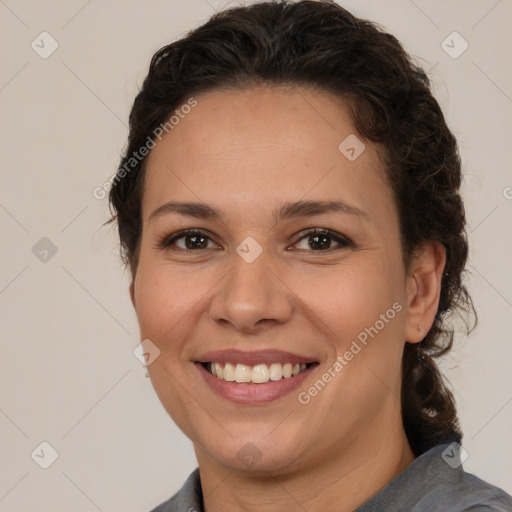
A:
[168,240]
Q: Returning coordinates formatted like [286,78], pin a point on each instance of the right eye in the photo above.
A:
[194,240]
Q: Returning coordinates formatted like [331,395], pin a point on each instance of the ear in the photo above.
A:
[424,289]
[132,293]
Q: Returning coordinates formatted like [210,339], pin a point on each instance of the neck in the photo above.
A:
[345,480]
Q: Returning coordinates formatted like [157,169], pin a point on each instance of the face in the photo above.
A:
[252,284]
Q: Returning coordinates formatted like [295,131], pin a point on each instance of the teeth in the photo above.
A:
[276,371]
[242,373]
[217,370]
[258,374]
[287,370]
[229,372]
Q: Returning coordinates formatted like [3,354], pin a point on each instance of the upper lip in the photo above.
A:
[253,358]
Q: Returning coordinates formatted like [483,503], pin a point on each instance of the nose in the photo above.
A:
[251,297]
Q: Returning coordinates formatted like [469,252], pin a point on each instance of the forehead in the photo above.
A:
[263,145]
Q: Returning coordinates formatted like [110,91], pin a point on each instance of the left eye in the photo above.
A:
[322,238]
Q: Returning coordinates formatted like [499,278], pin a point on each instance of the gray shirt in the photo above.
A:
[434,482]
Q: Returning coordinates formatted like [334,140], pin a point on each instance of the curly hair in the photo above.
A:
[320,44]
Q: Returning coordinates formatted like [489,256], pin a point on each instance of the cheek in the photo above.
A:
[348,298]
[164,299]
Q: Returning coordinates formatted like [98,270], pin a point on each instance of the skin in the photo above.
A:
[247,152]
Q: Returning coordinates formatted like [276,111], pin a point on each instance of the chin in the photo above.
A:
[256,454]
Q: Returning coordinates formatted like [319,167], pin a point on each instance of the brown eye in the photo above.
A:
[320,240]
[192,241]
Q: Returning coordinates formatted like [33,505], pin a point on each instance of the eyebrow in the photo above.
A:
[286,211]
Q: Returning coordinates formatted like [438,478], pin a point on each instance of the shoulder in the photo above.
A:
[188,499]
[459,490]
[476,495]
[453,489]
[437,482]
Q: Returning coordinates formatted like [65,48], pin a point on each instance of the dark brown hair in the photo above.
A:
[320,44]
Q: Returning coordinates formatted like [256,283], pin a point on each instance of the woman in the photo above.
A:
[288,207]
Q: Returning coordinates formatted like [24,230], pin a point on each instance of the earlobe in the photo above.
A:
[424,289]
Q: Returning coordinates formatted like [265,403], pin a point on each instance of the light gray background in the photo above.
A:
[68,375]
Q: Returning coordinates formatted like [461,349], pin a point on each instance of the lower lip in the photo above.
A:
[247,392]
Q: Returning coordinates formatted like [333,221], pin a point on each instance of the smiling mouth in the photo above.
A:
[258,374]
